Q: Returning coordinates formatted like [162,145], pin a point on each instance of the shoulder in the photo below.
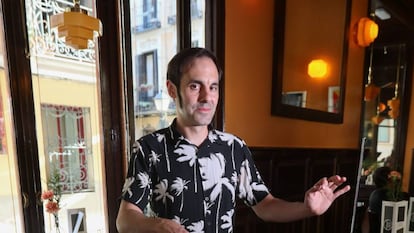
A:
[151,140]
[220,136]
[378,194]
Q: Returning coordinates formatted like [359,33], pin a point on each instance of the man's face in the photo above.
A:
[199,91]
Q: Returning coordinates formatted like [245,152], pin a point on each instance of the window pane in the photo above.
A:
[386,136]
[153,43]
[68,122]
[68,146]
[198,23]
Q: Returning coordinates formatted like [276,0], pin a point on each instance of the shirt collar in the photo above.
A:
[177,136]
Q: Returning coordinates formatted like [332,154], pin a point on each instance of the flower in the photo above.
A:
[46,195]
[52,207]
[394,186]
[52,196]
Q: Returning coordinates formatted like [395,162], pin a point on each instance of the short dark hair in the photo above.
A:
[182,59]
[380,176]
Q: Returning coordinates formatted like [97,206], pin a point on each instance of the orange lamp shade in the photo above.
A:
[394,103]
[377,119]
[77,28]
[318,68]
[371,92]
[366,32]
[381,107]
[393,114]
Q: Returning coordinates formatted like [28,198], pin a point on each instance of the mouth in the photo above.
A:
[204,108]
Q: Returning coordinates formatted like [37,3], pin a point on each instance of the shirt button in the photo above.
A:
[207,199]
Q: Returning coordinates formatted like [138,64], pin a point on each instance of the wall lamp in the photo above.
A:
[76,26]
[318,68]
[366,32]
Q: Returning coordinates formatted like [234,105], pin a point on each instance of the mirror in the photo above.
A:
[381,127]
[390,57]
[321,32]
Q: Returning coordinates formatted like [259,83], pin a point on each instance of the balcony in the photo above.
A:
[148,26]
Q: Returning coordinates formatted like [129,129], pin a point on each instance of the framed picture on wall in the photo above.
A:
[334,94]
[294,98]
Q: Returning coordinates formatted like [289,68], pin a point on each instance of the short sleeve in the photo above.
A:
[137,182]
[251,188]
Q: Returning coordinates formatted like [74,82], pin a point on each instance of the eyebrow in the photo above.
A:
[201,83]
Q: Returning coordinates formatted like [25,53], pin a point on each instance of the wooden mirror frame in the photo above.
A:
[285,110]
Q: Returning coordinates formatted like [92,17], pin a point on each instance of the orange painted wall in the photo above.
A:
[409,147]
[248,74]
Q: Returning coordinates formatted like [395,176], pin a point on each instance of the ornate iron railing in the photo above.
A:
[44,40]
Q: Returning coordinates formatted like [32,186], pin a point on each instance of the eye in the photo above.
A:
[194,86]
[214,88]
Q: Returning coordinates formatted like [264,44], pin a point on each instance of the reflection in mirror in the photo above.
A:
[310,54]
[382,124]
[381,119]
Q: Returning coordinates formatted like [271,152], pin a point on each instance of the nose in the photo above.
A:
[206,94]
[203,95]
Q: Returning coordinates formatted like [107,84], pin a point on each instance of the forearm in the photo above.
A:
[277,210]
[317,200]
[131,220]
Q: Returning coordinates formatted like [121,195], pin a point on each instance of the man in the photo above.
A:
[185,178]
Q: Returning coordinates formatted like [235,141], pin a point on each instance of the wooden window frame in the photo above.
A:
[117,94]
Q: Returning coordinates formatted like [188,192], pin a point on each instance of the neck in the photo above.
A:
[195,134]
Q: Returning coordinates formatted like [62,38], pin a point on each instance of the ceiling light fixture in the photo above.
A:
[366,32]
[76,26]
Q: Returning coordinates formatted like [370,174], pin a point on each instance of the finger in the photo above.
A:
[336,181]
[316,188]
[321,183]
[342,191]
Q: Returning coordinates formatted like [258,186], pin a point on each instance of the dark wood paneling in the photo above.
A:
[288,173]
[113,122]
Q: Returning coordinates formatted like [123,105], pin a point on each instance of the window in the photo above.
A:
[63,78]
[67,144]
[147,81]
[386,138]
[154,41]
[146,15]
[149,11]
[196,9]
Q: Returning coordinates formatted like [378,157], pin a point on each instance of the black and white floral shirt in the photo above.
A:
[195,186]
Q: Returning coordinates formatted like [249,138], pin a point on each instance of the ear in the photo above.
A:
[172,89]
